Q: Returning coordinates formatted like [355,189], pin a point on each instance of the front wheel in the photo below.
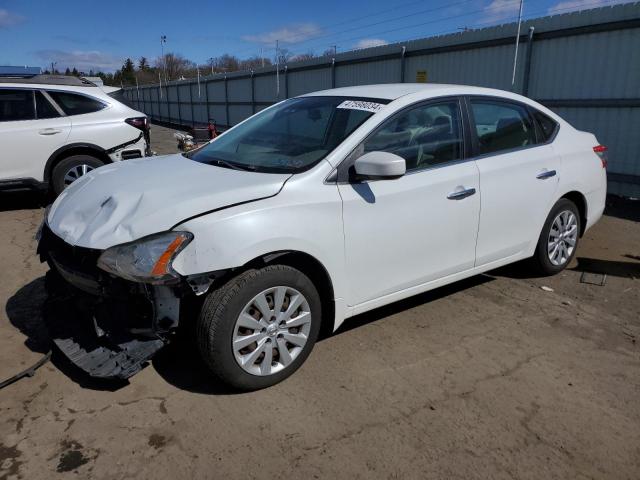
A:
[259,327]
[559,238]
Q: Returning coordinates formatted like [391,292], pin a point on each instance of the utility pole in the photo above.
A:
[211,64]
[277,72]
[163,40]
[52,67]
[335,49]
[262,55]
[515,56]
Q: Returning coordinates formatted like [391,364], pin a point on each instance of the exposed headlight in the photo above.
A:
[146,260]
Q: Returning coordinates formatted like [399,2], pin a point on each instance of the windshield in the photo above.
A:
[290,137]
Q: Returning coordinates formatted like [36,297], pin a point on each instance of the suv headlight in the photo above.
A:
[146,260]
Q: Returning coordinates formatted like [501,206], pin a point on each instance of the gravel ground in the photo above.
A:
[493,377]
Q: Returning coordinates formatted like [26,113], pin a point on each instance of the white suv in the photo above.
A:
[316,209]
[54,129]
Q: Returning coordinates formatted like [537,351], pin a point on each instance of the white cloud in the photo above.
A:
[7,19]
[569,5]
[295,33]
[370,42]
[82,60]
[500,11]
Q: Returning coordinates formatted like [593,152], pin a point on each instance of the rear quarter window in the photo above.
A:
[547,125]
[75,104]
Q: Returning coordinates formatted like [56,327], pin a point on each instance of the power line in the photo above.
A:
[430,10]
[486,24]
[405,27]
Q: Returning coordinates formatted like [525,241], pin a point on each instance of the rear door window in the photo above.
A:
[502,125]
[76,104]
[16,105]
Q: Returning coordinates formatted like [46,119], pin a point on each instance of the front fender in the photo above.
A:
[233,237]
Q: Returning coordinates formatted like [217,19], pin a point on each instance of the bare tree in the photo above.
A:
[302,56]
[174,64]
[254,62]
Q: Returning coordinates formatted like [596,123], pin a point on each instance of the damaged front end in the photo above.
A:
[107,325]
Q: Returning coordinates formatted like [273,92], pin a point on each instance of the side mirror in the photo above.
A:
[380,165]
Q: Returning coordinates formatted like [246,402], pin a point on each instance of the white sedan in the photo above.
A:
[312,211]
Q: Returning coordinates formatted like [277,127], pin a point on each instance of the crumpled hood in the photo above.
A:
[128,200]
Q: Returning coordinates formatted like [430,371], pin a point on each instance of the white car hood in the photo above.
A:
[128,200]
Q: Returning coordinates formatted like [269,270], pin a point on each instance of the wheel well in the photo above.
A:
[581,203]
[316,272]
[68,152]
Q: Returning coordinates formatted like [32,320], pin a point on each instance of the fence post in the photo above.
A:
[193,115]
[333,73]
[527,63]
[179,104]
[226,103]
[206,100]
[286,82]
[402,63]
[253,94]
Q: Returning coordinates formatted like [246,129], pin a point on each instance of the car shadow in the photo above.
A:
[379,313]
[623,208]
[609,267]
[26,312]
[23,200]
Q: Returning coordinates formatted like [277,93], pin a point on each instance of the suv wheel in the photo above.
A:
[259,327]
[70,169]
[558,241]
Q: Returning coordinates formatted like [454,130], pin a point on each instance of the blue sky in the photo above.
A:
[91,34]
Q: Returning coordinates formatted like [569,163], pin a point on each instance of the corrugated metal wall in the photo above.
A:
[584,65]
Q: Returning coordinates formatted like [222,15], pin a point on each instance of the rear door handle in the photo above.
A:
[546,174]
[49,131]
[460,194]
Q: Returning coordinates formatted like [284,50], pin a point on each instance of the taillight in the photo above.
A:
[141,123]
[601,151]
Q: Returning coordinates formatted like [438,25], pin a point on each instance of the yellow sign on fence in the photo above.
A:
[421,76]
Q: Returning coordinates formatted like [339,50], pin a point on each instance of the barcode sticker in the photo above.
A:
[360,105]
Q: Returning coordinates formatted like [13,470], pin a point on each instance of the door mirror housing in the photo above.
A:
[380,166]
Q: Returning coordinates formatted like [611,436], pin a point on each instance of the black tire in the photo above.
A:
[61,169]
[541,261]
[221,309]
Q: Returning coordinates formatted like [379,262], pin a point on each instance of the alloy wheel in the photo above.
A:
[75,173]
[563,236]
[271,330]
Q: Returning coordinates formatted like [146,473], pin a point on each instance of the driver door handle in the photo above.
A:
[546,174]
[460,194]
[49,131]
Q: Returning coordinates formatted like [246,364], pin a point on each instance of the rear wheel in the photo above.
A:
[559,238]
[72,168]
[259,327]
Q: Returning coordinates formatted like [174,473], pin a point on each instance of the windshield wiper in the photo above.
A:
[233,166]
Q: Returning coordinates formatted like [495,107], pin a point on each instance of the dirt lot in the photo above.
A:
[493,377]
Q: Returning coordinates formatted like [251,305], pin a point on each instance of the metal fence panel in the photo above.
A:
[305,81]
[265,88]
[486,67]
[597,65]
[382,71]
[239,90]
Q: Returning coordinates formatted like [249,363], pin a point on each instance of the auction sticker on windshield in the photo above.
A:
[360,105]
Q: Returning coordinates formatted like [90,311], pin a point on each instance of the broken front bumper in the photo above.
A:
[107,326]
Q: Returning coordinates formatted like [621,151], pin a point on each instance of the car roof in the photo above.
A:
[66,80]
[393,91]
